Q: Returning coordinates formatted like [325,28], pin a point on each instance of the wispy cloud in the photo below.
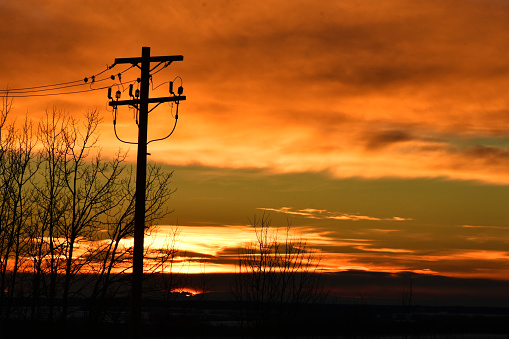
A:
[485,227]
[324,214]
[288,210]
[383,250]
[380,230]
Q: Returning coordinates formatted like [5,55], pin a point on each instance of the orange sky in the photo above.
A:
[397,111]
[354,88]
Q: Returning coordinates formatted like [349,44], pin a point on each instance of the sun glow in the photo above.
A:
[215,249]
[187,291]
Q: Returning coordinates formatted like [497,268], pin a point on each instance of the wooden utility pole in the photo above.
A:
[141,170]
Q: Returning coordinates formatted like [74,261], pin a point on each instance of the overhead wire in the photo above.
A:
[44,90]
[167,82]
[115,128]
[166,64]
[52,94]
[44,86]
[29,91]
[57,84]
[173,130]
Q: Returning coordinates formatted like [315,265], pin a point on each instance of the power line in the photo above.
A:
[44,90]
[166,64]
[36,87]
[53,94]
[58,84]
[24,91]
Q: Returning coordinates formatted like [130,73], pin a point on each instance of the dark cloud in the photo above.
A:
[488,153]
[475,158]
[381,139]
[231,252]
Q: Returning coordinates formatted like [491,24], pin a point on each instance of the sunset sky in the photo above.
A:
[378,129]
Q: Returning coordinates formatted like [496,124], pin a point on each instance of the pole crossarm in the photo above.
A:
[150,100]
[136,60]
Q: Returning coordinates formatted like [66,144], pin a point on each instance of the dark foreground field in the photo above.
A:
[202,318]
[367,306]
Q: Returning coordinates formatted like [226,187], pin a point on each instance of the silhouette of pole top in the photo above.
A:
[136,60]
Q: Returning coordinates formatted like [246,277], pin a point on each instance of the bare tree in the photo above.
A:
[169,268]
[57,197]
[52,203]
[277,274]
[91,187]
[5,189]
[16,168]
[110,258]
[406,290]
[16,152]
[21,169]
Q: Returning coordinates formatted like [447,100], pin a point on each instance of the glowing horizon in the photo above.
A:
[215,249]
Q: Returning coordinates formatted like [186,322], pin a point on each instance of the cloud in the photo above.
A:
[216,249]
[383,230]
[353,88]
[288,210]
[385,138]
[484,227]
[324,214]
[386,250]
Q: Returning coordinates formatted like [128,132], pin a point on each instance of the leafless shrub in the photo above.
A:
[277,275]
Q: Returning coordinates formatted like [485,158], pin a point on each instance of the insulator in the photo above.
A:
[171,87]
[181,90]
[117,95]
[109,94]
[112,77]
[137,93]
[131,90]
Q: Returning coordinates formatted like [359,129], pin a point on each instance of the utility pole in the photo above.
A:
[141,169]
